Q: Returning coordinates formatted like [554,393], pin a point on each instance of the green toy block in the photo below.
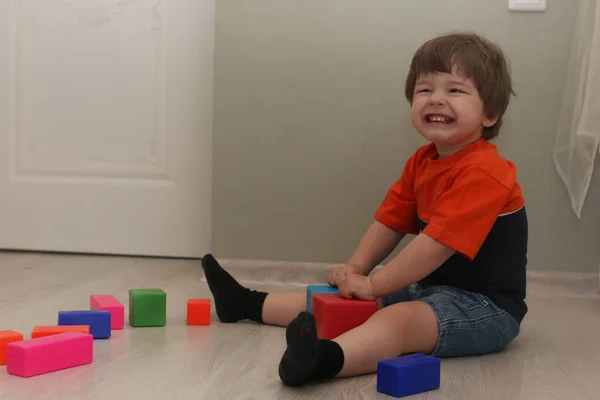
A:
[147,307]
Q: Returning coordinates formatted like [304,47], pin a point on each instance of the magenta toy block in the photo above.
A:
[50,353]
[105,302]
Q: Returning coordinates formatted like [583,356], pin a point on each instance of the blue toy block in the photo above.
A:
[97,320]
[408,375]
[314,289]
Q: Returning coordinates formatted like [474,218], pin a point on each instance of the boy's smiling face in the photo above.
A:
[448,111]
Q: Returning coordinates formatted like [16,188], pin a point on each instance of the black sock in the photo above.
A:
[233,302]
[308,358]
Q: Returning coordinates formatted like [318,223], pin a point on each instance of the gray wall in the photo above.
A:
[311,126]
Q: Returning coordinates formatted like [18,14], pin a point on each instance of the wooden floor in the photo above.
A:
[557,355]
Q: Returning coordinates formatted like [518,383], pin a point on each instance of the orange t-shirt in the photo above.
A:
[458,197]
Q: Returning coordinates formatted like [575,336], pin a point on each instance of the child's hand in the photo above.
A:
[338,273]
[356,285]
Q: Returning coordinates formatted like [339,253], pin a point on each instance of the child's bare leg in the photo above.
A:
[234,302]
[281,308]
[400,328]
[409,327]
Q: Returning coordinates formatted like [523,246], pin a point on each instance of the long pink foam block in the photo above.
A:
[109,303]
[50,353]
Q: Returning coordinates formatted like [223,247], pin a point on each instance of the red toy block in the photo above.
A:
[7,337]
[336,315]
[198,312]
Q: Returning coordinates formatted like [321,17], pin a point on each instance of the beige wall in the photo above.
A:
[311,126]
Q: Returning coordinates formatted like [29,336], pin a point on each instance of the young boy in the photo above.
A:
[458,288]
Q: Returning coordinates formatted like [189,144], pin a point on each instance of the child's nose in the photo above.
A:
[437,98]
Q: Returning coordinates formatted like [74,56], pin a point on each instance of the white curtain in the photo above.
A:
[578,135]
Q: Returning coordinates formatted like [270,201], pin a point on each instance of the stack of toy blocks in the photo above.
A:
[408,375]
[336,315]
[70,342]
[147,307]
[311,290]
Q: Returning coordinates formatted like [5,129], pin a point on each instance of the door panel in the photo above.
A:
[106,126]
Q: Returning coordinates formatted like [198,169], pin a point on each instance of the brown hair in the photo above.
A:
[475,58]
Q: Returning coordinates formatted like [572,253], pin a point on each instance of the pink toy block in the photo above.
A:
[105,302]
[50,353]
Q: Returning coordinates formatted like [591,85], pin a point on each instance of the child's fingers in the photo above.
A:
[336,274]
[332,278]
[344,288]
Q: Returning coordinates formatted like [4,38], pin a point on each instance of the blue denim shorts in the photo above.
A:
[469,323]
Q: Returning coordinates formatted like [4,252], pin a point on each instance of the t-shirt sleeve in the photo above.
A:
[466,212]
[398,211]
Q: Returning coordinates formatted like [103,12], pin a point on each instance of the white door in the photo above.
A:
[106,125]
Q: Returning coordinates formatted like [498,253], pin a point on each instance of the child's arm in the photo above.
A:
[376,244]
[418,259]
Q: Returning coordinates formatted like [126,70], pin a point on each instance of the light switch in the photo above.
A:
[527,5]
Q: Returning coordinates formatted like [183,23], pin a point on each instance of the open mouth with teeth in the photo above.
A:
[438,119]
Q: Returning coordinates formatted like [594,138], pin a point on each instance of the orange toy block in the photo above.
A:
[41,331]
[198,312]
[7,337]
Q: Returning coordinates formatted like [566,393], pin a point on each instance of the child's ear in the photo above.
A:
[489,122]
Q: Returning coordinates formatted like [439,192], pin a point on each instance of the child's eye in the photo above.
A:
[423,90]
[456,91]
